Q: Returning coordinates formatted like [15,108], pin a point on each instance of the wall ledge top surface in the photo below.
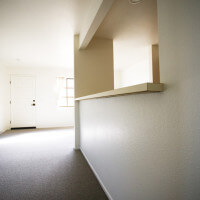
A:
[140,88]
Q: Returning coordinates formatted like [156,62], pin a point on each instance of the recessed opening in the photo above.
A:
[134,43]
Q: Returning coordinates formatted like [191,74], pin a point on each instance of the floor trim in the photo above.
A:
[97,176]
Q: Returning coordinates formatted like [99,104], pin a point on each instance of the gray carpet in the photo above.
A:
[42,165]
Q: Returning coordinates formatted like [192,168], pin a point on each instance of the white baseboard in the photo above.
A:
[4,130]
[53,127]
[97,176]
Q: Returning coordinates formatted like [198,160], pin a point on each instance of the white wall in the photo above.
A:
[4,100]
[147,146]
[48,114]
[186,48]
[136,69]
[133,143]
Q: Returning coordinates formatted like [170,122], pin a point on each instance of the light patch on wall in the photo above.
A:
[136,67]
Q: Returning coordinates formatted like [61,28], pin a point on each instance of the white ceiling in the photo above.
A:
[39,33]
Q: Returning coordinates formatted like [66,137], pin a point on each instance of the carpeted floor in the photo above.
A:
[42,165]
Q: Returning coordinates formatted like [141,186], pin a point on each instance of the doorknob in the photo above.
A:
[33,104]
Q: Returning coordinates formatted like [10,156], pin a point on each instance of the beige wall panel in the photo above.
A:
[155,64]
[93,67]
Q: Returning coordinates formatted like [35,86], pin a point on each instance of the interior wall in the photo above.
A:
[93,67]
[147,146]
[4,100]
[133,142]
[186,36]
[48,114]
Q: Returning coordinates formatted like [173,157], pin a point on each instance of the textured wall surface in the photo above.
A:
[187,35]
[132,143]
[147,146]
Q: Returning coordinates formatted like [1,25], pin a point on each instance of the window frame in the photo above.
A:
[67,88]
[66,97]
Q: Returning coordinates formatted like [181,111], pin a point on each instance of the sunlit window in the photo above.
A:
[65,92]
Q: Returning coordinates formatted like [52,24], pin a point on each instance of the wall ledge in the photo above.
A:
[140,88]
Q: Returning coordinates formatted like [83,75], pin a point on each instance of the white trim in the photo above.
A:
[4,130]
[97,176]
[77,125]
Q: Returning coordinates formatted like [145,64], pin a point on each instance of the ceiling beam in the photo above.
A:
[96,14]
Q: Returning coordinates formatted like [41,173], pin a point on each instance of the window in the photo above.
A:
[65,92]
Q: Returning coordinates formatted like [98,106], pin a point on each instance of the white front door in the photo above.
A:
[23,102]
